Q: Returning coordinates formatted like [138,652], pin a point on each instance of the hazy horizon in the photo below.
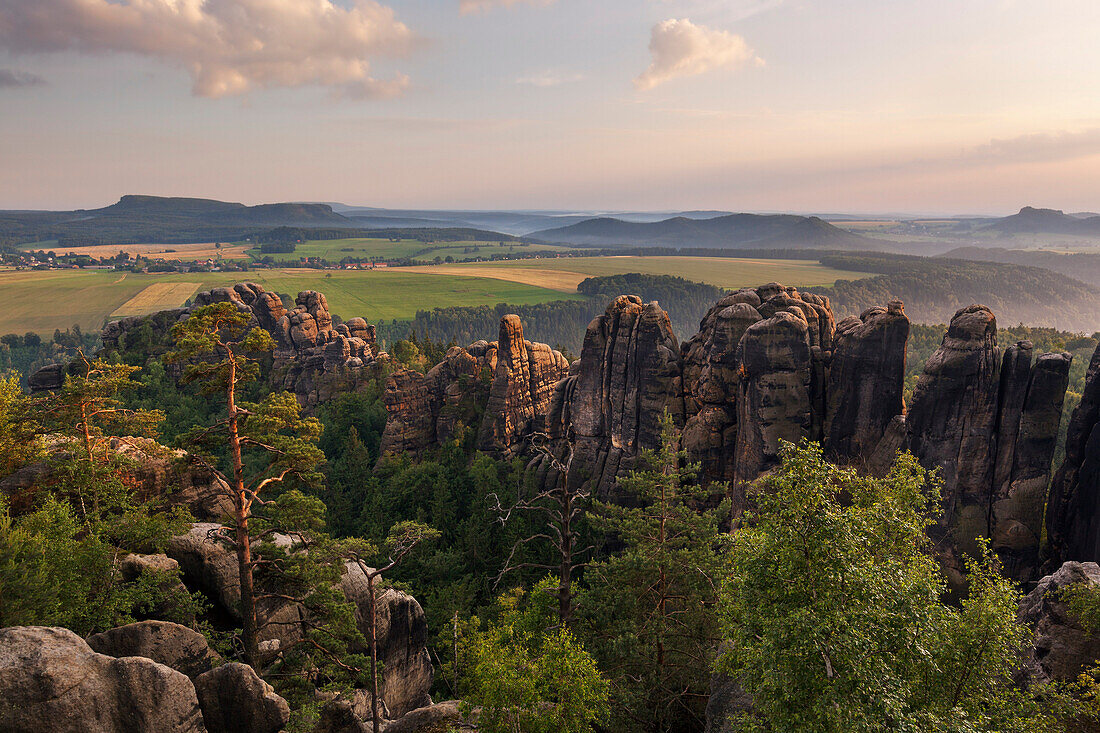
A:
[851,106]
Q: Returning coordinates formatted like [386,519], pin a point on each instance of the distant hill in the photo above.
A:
[138,219]
[1083,266]
[1045,221]
[735,231]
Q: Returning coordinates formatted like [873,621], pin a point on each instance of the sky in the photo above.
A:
[863,106]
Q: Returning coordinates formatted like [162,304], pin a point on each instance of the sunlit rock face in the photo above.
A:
[500,389]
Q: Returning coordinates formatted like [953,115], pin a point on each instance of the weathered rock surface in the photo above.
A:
[523,384]
[442,717]
[610,406]
[51,680]
[951,426]
[235,700]
[338,716]
[1073,512]
[990,427]
[426,410]
[402,644]
[866,381]
[1062,647]
[208,565]
[172,645]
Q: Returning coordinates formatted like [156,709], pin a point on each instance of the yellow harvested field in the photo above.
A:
[179,252]
[560,280]
[157,297]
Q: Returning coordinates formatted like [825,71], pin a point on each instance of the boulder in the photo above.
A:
[235,700]
[172,645]
[51,680]
[209,566]
[1063,648]
[442,717]
[338,716]
[407,674]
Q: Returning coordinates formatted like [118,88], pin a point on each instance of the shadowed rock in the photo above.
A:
[951,426]
[866,381]
[235,700]
[175,646]
[1073,512]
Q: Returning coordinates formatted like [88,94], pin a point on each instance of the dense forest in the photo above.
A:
[562,323]
[1083,266]
[934,288]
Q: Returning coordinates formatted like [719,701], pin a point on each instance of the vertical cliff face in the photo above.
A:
[501,389]
[866,381]
[523,384]
[951,426]
[610,406]
[1073,512]
[990,426]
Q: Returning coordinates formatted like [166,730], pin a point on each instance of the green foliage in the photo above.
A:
[20,441]
[55,571]
[833,616]
[648,613]
[526,674]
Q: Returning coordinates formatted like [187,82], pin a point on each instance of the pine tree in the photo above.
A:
[649,611]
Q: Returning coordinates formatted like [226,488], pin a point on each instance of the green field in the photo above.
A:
[728,272]
[42,301]
[335,250]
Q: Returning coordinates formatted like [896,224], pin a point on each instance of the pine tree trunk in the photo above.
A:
[373,653]
[242,511]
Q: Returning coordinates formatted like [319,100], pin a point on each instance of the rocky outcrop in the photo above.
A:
[51,680]
[438,718]
[1073,511]
[314,357]
[402,643]
[500,388]
[866,381]
[1026,440]
[235,700]
[426,410]
[209,566]
[1063,647]
[756,373]
[172,645]
[523,384]
[990,427]
[610,407]
[951,426]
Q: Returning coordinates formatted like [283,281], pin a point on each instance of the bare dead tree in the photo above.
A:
[560,506]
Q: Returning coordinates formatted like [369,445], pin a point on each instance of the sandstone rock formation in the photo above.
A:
[402,644]
[756,373]
[51,680]
[235,700]
[1062,647]
[209,566]
[172,645]
[524,380]
[610,406]
[866,381]
[1073,511]
[990,428]
[313,358]
[426,410]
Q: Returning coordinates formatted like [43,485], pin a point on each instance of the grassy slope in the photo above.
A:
[44,300]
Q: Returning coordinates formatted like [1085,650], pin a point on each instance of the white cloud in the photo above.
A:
[682,48]
[228,46]
[549,78]
[474,6]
